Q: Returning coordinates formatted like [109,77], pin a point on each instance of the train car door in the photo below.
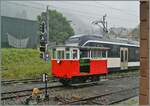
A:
[84,61]
[123,58]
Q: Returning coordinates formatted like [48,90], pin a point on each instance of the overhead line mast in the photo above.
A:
[103,22]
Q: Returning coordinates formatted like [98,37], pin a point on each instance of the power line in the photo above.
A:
[19,4]
[51,5]
[87,13]
[81,13]
[103,5]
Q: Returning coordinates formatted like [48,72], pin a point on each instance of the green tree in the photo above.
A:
[59,27]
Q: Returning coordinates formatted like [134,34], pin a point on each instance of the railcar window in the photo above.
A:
[60,54]
[103,53]
[133,54]
[84,54]
[126,55]
[121,55]
[93,54]
[74,54]
[54,54]
[98,54]
[67,55]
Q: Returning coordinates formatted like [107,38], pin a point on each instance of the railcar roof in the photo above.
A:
[81,47]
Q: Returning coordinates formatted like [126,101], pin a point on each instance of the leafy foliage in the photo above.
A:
[59,27]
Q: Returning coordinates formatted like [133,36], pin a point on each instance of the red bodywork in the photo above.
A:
[71,68]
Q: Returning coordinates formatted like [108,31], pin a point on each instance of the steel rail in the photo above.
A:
[27,90]
[98,96]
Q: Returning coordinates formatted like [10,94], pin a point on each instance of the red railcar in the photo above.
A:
[78,64]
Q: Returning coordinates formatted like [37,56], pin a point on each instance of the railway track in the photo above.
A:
[112,75]
[27,92]
[23,93]
[104,99]
[6,82]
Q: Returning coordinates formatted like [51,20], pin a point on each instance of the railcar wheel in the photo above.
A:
[65,82]
[95,78]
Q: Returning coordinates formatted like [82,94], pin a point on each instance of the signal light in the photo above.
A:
[42,55]
[42,27]
[42,48]
[43,43]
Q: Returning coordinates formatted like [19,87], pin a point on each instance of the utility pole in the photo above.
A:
[47,25]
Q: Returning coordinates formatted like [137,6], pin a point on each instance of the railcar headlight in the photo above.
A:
[58,61]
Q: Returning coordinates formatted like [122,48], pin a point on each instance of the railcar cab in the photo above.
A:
[69,63]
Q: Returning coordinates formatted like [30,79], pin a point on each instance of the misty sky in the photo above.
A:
[119,13]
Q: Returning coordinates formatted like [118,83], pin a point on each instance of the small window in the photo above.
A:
[74,54]
[60,54]
[96,54]
[84,54]
[67,55]
[54,54]
[126,55]
[99,54]
[103,53]
[93,54]
[121,55]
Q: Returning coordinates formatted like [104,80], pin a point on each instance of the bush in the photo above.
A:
[23,63]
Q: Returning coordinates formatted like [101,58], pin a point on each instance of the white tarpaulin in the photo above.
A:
[18,43]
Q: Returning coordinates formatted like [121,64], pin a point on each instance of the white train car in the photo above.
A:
[123,54]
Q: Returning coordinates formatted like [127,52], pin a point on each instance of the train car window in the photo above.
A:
[103,53]
[60,54]
[99,54]
[122,56]
[96,54]
[75,54]
[93,54]
[84,54]
[54,53]
[67,55]
[126,55]
[133,54]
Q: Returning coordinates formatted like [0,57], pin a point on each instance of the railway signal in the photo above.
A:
[42,27]
[44,34]
[43,39]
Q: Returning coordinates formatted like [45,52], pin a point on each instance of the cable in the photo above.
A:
[103,5]
[81,13]
[19,4]
[90,13]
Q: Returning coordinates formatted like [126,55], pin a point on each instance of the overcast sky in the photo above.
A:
[119,13]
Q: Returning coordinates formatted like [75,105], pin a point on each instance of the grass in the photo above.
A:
[22,63]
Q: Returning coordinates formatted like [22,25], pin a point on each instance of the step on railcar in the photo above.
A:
[72,64]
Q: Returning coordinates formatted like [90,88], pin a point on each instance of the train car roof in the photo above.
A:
[81,47]
[81,35]
[118,40]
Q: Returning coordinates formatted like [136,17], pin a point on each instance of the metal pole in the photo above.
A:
[47,25]
[46,95]
[45,84]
